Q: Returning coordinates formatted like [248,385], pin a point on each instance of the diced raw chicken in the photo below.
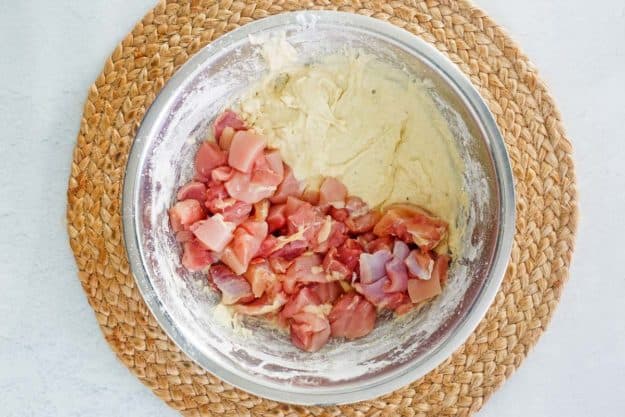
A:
[332,192]
[234,288]
[184,213]
[426,231]
[260,276]
[261,211]
[421,290]
[309,331]
[276,217]
[235,211]
[400,249]
[373,266]
[280,265]
[356,207]
[375,294]
[263,173]
[196,256]
[307,268]
[349,254]
[246,146]
[396,269]
[230,258]
[340,215]
[241,187]
[289,283]
[381,243]
[297,302]
[291,250]
[335,268]
[310,195]
[268,169]
[246,243]
[327,292]
[193,190]
[214,232]
[324,244]
[441,269]
[420,265]
[362,224]
[216,194]
[222,174]
[412,224]
[227,119]
[289,186]
[293,204]
[304,219]
[184,236]
[225,140]
[208,157]
[263,305]
[352,317]
[275,161]
[331,234]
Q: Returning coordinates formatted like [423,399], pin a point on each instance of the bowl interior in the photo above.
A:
[255,356]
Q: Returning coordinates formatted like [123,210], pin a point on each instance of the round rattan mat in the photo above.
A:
[545,191]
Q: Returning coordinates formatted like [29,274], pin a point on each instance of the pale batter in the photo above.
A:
[364,122]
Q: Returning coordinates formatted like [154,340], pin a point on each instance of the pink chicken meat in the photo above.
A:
[321,262]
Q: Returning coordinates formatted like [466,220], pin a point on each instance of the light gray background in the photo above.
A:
[55,362]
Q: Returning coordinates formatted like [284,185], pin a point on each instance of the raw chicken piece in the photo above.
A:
[309,331]
[264,173]
[420,265]
[276,217]
[246,243]
[222,174]
[327,292]
[246,146]
[297,302]
[352,317]
[375,294]
[263,305]
[214,232]
[193,190]
[196,256]
[421,290]
[234,288]
[260,276]
[333,193]
[412,225]
[396,270]
[208,157]
[227,119]
[261,211]
[335,268]
[307,268]
[441,267]
[373,266]
[289,186]
[184,213]
[349,254]
[241,187]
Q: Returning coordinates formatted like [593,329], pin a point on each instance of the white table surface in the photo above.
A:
[53,358]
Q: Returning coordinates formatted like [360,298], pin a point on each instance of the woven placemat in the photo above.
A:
[527,117]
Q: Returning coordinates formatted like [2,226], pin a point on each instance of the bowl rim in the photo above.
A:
[478,110]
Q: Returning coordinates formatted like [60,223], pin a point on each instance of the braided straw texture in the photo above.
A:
[545,191]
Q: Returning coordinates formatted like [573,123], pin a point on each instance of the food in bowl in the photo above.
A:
[250,352]
[318,262]
[305,252]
